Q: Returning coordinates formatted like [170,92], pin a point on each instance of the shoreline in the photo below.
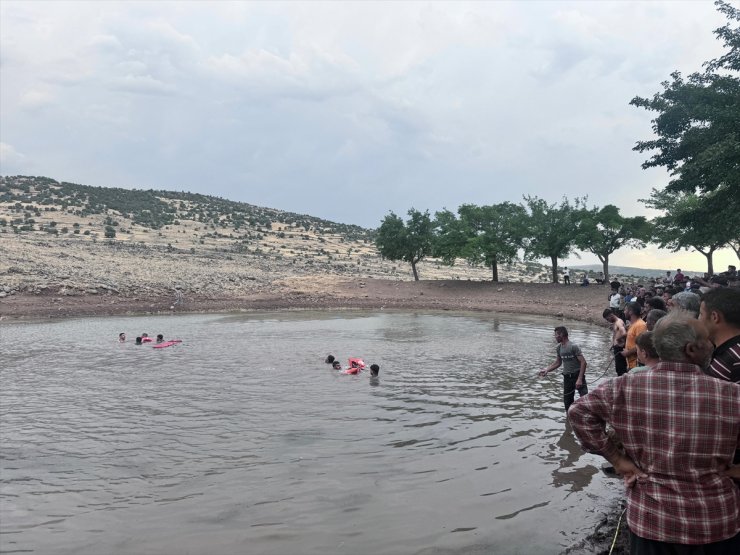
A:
[539,299]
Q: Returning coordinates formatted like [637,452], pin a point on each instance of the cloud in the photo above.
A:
[10,158]
[142,84]
[35,99]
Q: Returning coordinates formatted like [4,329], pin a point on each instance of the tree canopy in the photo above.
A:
[411,241]
[698,140]
[552,229]
[604,230]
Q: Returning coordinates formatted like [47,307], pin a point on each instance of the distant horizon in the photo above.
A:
[721,258]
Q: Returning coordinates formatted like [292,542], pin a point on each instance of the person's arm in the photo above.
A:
[581,372]
[553,366]
[589,416]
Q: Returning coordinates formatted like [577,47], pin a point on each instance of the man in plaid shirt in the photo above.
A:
[680,429]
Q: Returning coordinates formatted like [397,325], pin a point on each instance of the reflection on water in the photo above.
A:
[242,440]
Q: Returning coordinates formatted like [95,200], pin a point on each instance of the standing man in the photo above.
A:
[679,429]
[637,326]
[566,276]
[574,367]
[720,313]
[619,335]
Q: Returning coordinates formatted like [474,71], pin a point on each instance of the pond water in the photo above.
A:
[241,439]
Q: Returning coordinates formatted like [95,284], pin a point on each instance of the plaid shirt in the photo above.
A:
[681,428]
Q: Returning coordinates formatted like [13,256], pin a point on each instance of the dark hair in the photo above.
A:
[138,340]
[562,330]
[655,302]
[635,308]
[122,333]
[645,342]
[607,312]
[336,364]
[160,337]
[726,301]
[374,369]
[329,359]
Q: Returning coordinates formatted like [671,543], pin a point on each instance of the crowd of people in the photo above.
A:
[670,422]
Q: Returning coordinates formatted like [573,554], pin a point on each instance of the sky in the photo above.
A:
[350,110]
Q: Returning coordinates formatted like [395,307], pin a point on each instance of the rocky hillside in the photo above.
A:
[69,239]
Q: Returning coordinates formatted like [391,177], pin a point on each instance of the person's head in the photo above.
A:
[652,318]
[655,302]
[668,273]
[121,337]
[687,301]
[160,338]
[561,334]
[138,340]
[731,269]
[143,335]
[336,365]
[609,315]
[678,271]
[329,359]
[615,285]
[680,338]
[374,369]
[667,294]
[632,310]
[720,310]
[645,349]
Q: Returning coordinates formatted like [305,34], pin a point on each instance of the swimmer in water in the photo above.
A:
[121,337]
[374,370]
[138,340]
[330,359]
[160,338]
[336,365]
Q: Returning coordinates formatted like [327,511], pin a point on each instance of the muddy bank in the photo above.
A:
[327,293]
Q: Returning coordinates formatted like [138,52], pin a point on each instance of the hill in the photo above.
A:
[76,239]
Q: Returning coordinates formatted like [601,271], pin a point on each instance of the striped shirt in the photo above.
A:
[681,428]
[726,361]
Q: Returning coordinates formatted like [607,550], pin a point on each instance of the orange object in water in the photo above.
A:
[356,365]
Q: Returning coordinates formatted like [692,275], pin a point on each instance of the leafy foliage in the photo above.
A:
[604,230]
[552,229]
[411,241]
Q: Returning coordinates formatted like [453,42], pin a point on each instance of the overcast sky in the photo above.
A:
[348,110]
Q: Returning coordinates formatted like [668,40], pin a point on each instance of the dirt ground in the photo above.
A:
[330,292]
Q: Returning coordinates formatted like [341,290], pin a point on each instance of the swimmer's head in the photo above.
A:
[336,365]
[138,340]
[374,369]
[329,359]
[160,337]
[121,336]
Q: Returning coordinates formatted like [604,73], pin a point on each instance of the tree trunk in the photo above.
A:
[494,269]
[710,262]
[605,267]
[413,269]
[554,260]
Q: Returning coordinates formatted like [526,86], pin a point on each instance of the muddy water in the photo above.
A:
[241,440]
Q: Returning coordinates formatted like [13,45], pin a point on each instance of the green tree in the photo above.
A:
[604,230]
[552,230]
[690,222]
[110,232]
[411,241]
[698,138]
[486,234]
